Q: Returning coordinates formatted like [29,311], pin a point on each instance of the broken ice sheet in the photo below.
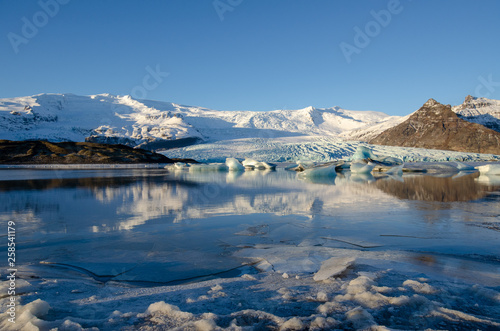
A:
[333,267]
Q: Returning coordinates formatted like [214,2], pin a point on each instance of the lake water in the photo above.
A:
[159,227]
[151,227]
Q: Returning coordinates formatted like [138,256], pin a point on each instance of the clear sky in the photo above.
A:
[384,55]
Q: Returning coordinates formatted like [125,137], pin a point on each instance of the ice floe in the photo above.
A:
[362,167]
[489,169]
[234,165]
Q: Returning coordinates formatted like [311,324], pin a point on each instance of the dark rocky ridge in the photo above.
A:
[436,126]
[44,152]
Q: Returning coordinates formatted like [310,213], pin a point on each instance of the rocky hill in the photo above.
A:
[43,152]
[436,126]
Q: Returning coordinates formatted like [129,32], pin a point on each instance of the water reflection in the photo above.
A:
[163,226]
[442,189]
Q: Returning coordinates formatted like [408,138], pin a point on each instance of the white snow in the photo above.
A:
[480,110]
[68,117]
[268,136]
[62,117]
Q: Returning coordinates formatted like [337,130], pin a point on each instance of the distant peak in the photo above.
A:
[469,98]
[431,103]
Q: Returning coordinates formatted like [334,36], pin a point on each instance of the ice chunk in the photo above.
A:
[333,267]
[396,171]
[251,163]
[293,323]
[490,169]
[234,165]
[181,166]
[360,319]
[363,153]
[269,166]
[419,287]
[462,166]
[362,167]
[161,308]
[27,316]
[316,172]
[211,167]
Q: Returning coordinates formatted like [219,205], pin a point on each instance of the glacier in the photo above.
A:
[308,134]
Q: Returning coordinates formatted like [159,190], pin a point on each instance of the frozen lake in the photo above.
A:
[145,228]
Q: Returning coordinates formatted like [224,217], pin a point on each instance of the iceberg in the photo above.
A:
[363,153]
[181,166]
[490,169]
[463,167]
[234,165]
[395,171]
[362,167]
[210,167]
[333,267]
[254,164]
[249,162]
[316,172]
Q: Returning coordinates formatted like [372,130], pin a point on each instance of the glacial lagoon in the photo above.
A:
[148,228]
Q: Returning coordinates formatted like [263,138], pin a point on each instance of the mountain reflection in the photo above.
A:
[118,201]
[440,189]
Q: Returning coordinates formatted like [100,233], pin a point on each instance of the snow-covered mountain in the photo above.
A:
[156,125]
[98,118]
[320,134]
[480,110]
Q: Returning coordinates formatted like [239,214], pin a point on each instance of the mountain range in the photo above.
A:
[156,125]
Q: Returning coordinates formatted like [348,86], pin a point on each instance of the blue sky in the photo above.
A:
[254,54]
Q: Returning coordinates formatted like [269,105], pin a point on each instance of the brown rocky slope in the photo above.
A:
[44,152]
[436,126]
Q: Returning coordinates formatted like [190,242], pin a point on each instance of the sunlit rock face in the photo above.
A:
[436,126]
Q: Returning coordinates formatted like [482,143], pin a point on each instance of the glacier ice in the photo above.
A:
[363,153]
[210,167]
[362,167]
[254,164]
[462,166]
[490,169]
[234,165]
[319,171]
